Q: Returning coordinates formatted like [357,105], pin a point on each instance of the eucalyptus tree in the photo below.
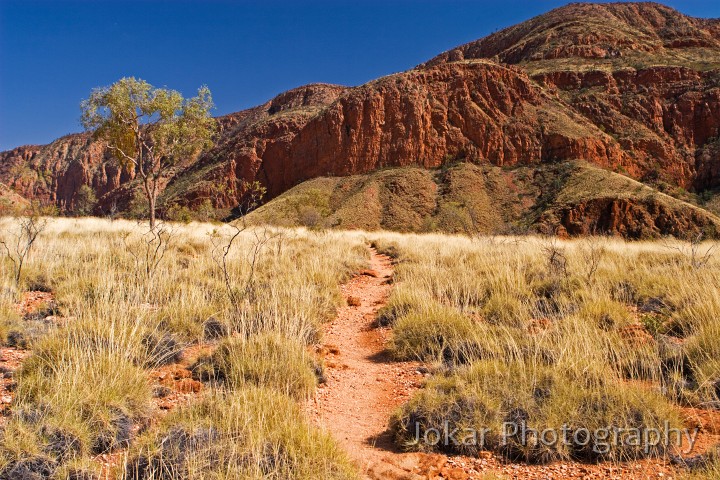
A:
[149,129]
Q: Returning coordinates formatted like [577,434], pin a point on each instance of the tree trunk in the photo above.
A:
[151,199]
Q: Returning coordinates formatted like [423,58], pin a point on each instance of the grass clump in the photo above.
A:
[72,401]
[401,302]
[444,335]
[268,360]
[506,397]
[82,392]
[102,391]
[606,314]
[433,334]
[693,317]
[252,433]
[702,380]
[10,324]
[506,310]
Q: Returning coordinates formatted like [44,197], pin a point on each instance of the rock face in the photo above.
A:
[633,219]
[54,173]
[591,31]
[633,88]
[667,118]
[10,202]
[480,111]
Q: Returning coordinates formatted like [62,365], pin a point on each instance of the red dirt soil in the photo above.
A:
[364,385]
[10,360]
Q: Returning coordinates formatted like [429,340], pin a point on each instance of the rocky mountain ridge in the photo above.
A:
[631,88]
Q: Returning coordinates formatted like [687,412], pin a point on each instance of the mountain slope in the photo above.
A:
[631,88]
[573,198]
[10,202]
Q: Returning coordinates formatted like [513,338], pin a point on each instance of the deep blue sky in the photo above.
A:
[52,53]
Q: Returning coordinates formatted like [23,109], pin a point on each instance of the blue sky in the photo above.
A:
[52,53]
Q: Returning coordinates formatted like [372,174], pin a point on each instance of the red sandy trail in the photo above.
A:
[364,385]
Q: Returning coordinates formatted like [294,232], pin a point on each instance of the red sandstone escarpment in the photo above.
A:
[54,173]
[633,88]
[480,112]
[590,31]
[666,117]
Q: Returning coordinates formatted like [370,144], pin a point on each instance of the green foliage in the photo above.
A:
[180,213]
[149,129]
[85,201]
[144,125]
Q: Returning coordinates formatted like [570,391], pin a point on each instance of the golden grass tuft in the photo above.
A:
[270,360]
[247,433]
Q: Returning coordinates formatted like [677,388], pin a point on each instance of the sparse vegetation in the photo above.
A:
[481,201]
[547,328]
[542,331]
[88,389]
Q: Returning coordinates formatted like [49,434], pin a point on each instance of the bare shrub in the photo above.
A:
[592,251]
[694,248]
[17,243]
[149,250]
[223,246]
[556,258]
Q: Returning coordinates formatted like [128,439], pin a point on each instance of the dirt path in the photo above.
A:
[364,385]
